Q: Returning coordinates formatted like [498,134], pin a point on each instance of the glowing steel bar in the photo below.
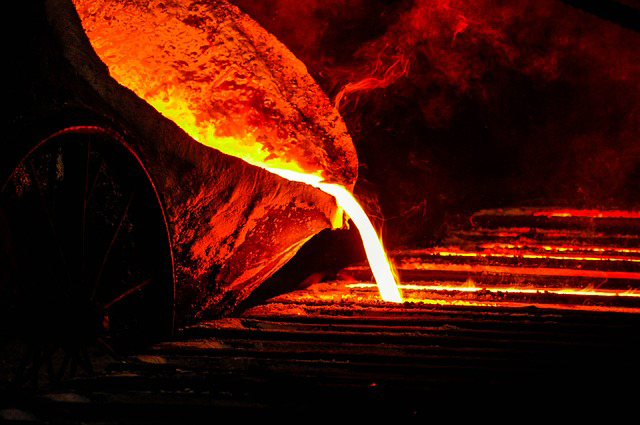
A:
[567,291]
[536,271]
[522,231]
[559,248]
[577,257]
[588,213]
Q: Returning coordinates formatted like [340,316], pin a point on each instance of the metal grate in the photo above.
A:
[334,350]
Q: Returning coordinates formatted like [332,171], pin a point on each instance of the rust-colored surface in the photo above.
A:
[223,79]
[231,224]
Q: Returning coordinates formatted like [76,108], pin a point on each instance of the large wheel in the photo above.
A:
[85,258]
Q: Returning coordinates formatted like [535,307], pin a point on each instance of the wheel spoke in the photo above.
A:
[95,180]
[52,167]
[128,292]
[84,211]
[108,350]
[38,361]
[85,360]
[49,360]
[52,228]
[63,366]
[21,374]
[50,370]
[113,239]
[74,363]
[73,210]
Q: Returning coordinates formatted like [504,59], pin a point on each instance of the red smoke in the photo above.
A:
[457,105]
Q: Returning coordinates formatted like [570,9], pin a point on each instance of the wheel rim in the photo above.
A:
[86,260]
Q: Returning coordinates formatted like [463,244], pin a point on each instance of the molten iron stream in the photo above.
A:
[378,260]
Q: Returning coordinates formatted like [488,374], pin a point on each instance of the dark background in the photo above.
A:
[475,103]
[455,106]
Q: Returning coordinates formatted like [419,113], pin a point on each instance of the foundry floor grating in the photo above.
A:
[335,350]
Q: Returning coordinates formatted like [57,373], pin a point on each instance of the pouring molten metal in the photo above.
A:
[231,86]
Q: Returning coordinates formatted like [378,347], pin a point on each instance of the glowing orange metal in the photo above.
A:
[136,61]
[536,271]
[510,289]
[559,248]
[378,261]
[588,213]
[530,255]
